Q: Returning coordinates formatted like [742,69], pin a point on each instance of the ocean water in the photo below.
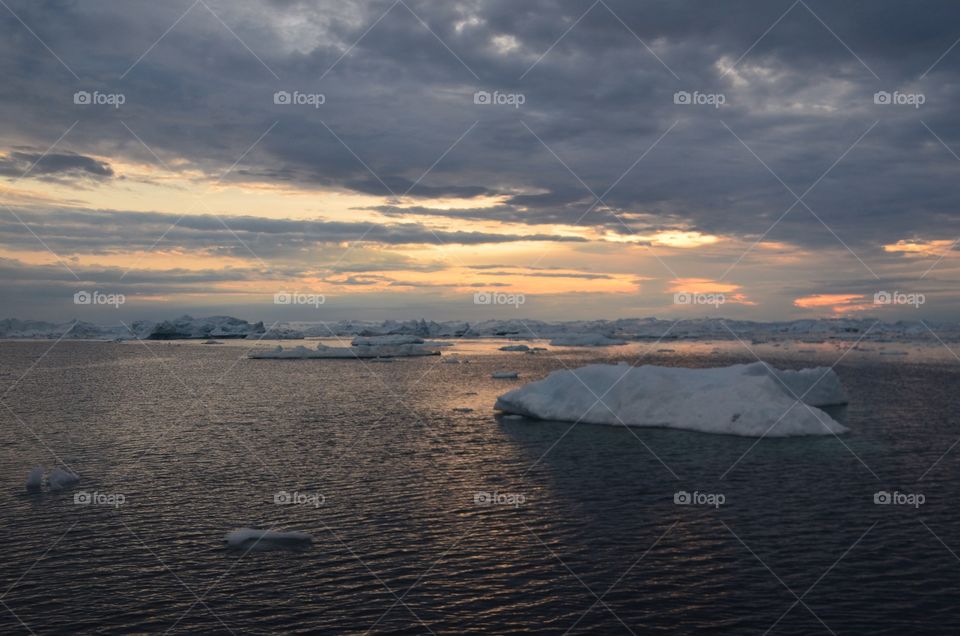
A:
[430,520]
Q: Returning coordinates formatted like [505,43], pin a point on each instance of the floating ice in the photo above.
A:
[586,340]
[248,538]
[60,478]
[505,375]
[35,479]
[751,400]
[376,341]
[322,351]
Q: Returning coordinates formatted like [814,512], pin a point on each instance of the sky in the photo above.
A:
[551,159]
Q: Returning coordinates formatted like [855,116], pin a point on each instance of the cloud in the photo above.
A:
[19,163]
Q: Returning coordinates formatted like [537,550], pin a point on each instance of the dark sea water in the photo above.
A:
[584,536]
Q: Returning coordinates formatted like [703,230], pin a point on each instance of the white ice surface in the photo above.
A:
[751,400]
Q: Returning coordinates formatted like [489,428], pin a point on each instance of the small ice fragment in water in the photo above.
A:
[60,478]
[35,479]
[250,537]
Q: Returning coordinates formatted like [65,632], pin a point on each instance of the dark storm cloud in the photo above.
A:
[20,163]
[398,100]
[71,232]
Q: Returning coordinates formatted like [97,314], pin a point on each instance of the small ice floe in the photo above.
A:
[505,375]
[391,340]
[752,400]
[463,409]
[586,340]
[516,347]
[361,351]
[60,478]
[35,479]
[251,538]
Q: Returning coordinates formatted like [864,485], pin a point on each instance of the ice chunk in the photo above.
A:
[35,479]
[749,400]
[322,351]
[517,347]
[505,375]
[376,341]
[60,478]
[819,386]
[248,538]
[586,340]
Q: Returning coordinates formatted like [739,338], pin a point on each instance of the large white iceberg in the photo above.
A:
[751,400]
[322,351]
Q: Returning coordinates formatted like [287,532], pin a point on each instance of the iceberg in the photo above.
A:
[35,479]
[750,400]
[322,351]
[248,538]
[586,340]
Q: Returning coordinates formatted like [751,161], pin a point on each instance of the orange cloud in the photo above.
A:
[838,303]
[920,247]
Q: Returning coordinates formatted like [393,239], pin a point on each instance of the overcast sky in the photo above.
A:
[592,159]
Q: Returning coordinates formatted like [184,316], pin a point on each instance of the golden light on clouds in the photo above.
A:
[837,303]
[730,291]
[918,247]
[666,238]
